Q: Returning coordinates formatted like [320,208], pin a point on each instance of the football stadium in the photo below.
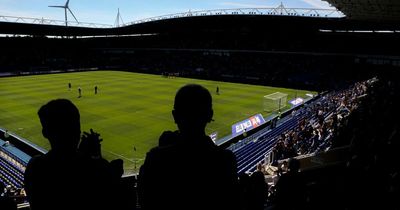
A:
[251,107]
[130,109]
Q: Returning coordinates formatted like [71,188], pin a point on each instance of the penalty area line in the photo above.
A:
[121,156]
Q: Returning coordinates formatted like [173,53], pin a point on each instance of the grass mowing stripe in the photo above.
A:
[130,109]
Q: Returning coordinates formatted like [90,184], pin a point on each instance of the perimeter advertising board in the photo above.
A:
[248,124]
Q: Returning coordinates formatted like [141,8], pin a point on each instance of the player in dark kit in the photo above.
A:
[217,91]
[69,86]
[80,92]
[95,89]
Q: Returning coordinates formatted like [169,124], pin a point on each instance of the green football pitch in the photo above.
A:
[130,109]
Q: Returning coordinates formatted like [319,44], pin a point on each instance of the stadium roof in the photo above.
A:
[376,10]
[218,24]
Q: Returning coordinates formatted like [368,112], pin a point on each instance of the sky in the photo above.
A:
[105,11]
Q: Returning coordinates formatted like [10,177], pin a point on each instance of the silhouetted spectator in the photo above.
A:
[245,190]
[2,186]
[67,177]
[290,188]
[189,171]
[7,197]
[258,191]
[6,202]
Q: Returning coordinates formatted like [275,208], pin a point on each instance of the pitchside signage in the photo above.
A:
[296,101]
[247,124]
[214,136]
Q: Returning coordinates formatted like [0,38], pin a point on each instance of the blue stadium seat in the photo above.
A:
[253,152]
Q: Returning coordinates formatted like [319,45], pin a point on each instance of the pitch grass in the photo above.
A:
[130,110]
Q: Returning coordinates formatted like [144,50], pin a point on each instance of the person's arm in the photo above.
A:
[232,183]
[146,182]
[29,182]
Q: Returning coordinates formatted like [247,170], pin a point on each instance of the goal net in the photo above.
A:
[275,101]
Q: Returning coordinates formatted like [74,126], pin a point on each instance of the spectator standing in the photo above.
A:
[68,177]
[187,170]
[290,188]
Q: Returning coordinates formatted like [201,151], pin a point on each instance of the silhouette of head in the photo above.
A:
[61,124]
[293,165]
[192,109]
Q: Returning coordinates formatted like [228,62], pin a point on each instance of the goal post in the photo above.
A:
[275,101]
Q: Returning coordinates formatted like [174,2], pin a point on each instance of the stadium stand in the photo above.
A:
[294,137]
[12,166]
[304,53]
[347,154]
[12,163]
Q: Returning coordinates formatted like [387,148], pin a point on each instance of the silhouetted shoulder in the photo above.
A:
[32,165]
[37,168]
[34,161]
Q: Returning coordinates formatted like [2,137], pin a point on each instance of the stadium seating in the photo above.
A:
[254,152]
[9,175]
[11,172]
[249,155]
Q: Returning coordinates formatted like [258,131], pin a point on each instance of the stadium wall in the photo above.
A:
[24,145]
